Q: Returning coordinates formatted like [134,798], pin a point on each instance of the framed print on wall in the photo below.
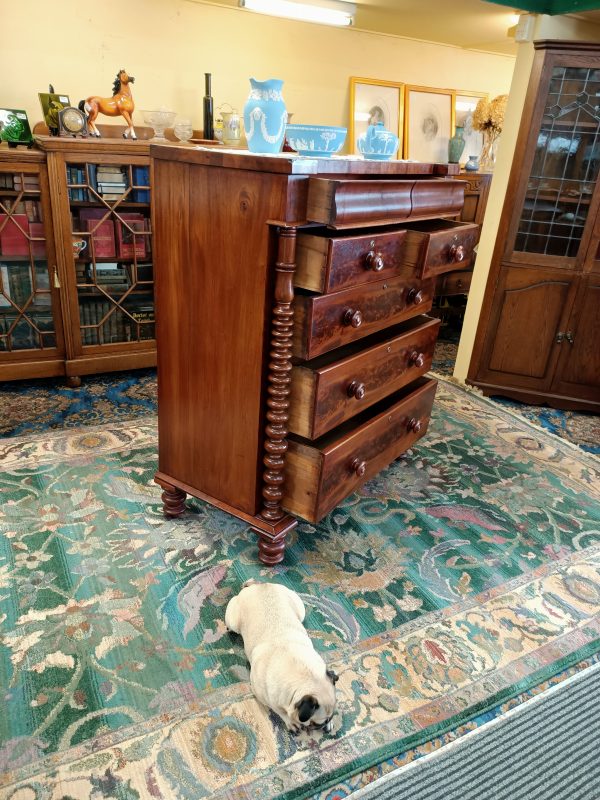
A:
[373,101]
[464,106]
[428,123]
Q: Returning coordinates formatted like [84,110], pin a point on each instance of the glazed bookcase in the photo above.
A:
[98,280]
[540,324]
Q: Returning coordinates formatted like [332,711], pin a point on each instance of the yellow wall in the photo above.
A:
[545,28]
[79,45]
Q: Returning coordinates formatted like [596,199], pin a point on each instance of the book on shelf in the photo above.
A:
[36,231]
[27,183]
[76,175]
[128,244]
[141,177]
[4,287]
[13,235]
[18,279]
[145,273]
[102,238]
[7,181]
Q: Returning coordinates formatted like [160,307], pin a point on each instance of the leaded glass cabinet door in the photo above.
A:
[31,337]
[557,198]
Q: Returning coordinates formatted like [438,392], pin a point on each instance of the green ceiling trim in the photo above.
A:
[550,6]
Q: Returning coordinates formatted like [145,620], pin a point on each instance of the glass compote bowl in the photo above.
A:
[159,120]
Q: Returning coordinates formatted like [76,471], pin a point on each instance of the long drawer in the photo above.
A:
[437,246]
[320,475]
[328,262]
[333,388]
[341,202]
[322,323]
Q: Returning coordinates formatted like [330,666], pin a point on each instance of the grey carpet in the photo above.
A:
[545,749]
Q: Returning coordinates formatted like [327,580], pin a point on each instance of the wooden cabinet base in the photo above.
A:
[538,398]
[271,535]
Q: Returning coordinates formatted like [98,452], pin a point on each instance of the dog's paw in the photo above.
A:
[294,729]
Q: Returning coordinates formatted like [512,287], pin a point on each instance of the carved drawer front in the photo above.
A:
[341,202]
[437,246]
[327,261]
[454,283]
[322,323]
[329,390]
[320,475]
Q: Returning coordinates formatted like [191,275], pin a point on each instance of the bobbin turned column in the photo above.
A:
[271,543]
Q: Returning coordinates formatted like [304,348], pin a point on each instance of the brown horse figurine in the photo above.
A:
[120,104]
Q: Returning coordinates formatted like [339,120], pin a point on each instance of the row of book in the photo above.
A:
[18,182]
[17,285]
[114,277]
[109,181]
[17,233]
[104,323]
[123,236]
[23,335]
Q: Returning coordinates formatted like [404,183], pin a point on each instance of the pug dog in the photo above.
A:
[286,673]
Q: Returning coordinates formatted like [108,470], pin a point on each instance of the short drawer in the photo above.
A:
[333,388]
[327,261]
[437,246]
[322,323]
[320,475]
[454,283]
[341,202]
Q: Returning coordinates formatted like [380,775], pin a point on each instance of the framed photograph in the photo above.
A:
[373,101]
[14,127]
[428,123]
[51,105]
[464,106]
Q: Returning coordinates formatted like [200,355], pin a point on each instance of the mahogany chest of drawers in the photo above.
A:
[292,339]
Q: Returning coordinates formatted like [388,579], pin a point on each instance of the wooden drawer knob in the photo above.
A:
[353,317]
[414,425]
[374,260]
[357,390]
[358,466]
[456,253]
[416,359]
[415,296]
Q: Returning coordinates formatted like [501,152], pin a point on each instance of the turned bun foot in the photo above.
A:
[270,550]
[173,500]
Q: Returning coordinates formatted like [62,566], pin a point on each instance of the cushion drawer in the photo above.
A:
[327,262]
[437,246]
[324,322]
[340,202]
[320,475]
[329,390]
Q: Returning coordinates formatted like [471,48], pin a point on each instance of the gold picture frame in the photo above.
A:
[464,105]
[374,100]
[428,123]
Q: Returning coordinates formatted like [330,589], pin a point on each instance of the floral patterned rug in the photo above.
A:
[461,577]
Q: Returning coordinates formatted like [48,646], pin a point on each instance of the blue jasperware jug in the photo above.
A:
[265,116]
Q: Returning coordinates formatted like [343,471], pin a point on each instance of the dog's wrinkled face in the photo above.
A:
[316,710]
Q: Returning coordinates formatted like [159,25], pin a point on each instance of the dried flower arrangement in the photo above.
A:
[488,117]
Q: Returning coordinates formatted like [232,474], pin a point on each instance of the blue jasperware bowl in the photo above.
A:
[320,141]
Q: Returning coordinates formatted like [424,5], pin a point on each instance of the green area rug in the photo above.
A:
[465,574]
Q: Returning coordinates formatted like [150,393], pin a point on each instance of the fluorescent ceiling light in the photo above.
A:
[328,12]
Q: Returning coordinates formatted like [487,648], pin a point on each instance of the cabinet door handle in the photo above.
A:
[352,317]
[569,337]
[358,466]
[414,296]
[456,252]
[414,425]
[356,390]
[374,260]
[416,359]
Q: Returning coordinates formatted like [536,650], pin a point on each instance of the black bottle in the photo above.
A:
[208,109]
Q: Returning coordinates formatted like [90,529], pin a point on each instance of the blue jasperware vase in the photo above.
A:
[265,116]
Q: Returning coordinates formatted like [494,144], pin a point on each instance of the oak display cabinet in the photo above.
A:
[95,258]
[538,338]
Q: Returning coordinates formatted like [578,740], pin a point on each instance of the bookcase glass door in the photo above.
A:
[112,249]
[565,165]
[26,314]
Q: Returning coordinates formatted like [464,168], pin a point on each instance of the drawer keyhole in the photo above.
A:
[416,359]
[374,260]
[352,317]
[356,390]
[358,466]
[414,425]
